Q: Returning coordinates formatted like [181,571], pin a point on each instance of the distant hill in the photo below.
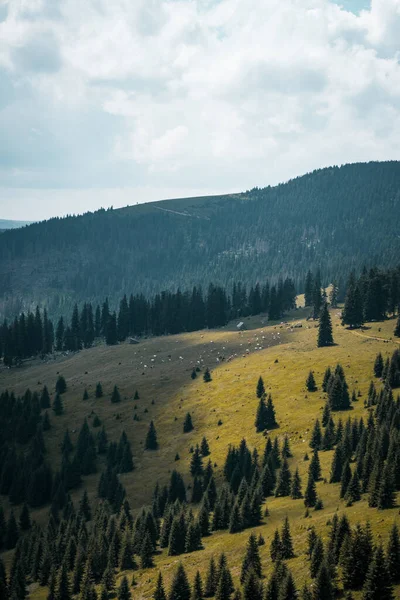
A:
[6,224]
[337,218]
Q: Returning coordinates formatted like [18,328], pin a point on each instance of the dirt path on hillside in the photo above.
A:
[373,337]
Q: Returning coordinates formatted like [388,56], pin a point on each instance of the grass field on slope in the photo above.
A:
[160,368]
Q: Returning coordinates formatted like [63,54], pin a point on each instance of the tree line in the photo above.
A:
[165,313]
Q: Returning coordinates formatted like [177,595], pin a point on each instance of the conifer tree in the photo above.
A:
[85,395]
[286,541]
[224,586]
[196,463]
[204,447]
[284,482]
[315,466]
[62,587]
[261,415]
[251,559]
[327,377]
[325,337]
[235,522]
[159,593]
[99,390]
[197,589]
[58,406]
[252,589]
[309,287]
[310,495]
[146,552]
[276,547]
[353,492]
[211,579]
[180,588]
[353,314]
[310,383]
[295,491]
[115,396]
[286,452]
[11,534]
[25,519]
[378,584]
[387,489]
[151,442]
[288,589]
[345,479]
[323,584]
[316,436]
[393,554]
[378,365]
[270,414]
[337,465]
[124,592]
[188,424]
[207,375]
[45,398]
[260,391]
[61,385]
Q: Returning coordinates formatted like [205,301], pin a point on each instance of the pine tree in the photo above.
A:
[288,589]
[204,447]
[295,491]
[345,479]
[353,492]
[327,377]
[62,586]
[11,534]
[310,495]
[45,398]
[115,396]
[211,579]
[387,489]
[276,547]
[325,337]
[260,388]
[225,585]
[58,406]
[261,415]
[251,559]
[393,554]
[315,466]
[270,414]
[378,365]
[188,424]
[61,385]
[352,313]
[159,593]
[316,436]
[151,438]
[207,376]
[283,485]
[309,287]
[124,592]
[197,589]
[99,390]
[337,465]
[286,541]
[146,552]
[196,463]
[180,588]
[286,452]
[323,588]
[378,585]
[252,589]
[310,383]
[85,395]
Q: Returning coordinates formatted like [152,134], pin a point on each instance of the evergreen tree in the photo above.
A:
[283,485]
[270,414]
[286,541]
[276,547]
[295,491]
[204,447]
[288,589]
[378,365]
[345,479]
[252,589]
[327,377]
[99,390]
[323,588]
[309,287]
[111,330]
[151,438]
[146,552]
[261,422]
[159,593]
[211,579]
[187,424]
[180,588]
[378,584]
[197,589]
[58,406]
[353,314]
[45,398]
[310,495]
[124,592]
[325,337]
[25,519]
[196,463]
[11,534]
[310,383]
[251,559]
[393,554]
[387,489]
[316,436]
[62,587]
[61,385]
[207,375]
[85,395]
[115,396]
[315,467]
[260,391]
[353,492]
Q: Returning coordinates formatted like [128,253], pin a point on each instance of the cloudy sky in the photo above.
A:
[116,102]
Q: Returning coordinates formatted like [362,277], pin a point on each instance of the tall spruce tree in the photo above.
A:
[151,442]
[325,337]
[378,585]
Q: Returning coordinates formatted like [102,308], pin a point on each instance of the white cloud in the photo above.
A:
[201,94]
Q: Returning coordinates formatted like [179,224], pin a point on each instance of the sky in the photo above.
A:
[113,103]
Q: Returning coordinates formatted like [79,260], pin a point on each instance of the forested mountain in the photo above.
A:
[335,219]
[7,224]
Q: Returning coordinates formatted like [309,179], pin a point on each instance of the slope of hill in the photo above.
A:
[223,411]
[337,218]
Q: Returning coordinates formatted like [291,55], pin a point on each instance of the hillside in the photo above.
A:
[223,411]
[7,224]
[329,218]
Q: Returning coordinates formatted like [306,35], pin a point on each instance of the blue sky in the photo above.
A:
[112,103]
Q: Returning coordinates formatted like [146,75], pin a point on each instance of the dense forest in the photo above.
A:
[340,218]
[167,313]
